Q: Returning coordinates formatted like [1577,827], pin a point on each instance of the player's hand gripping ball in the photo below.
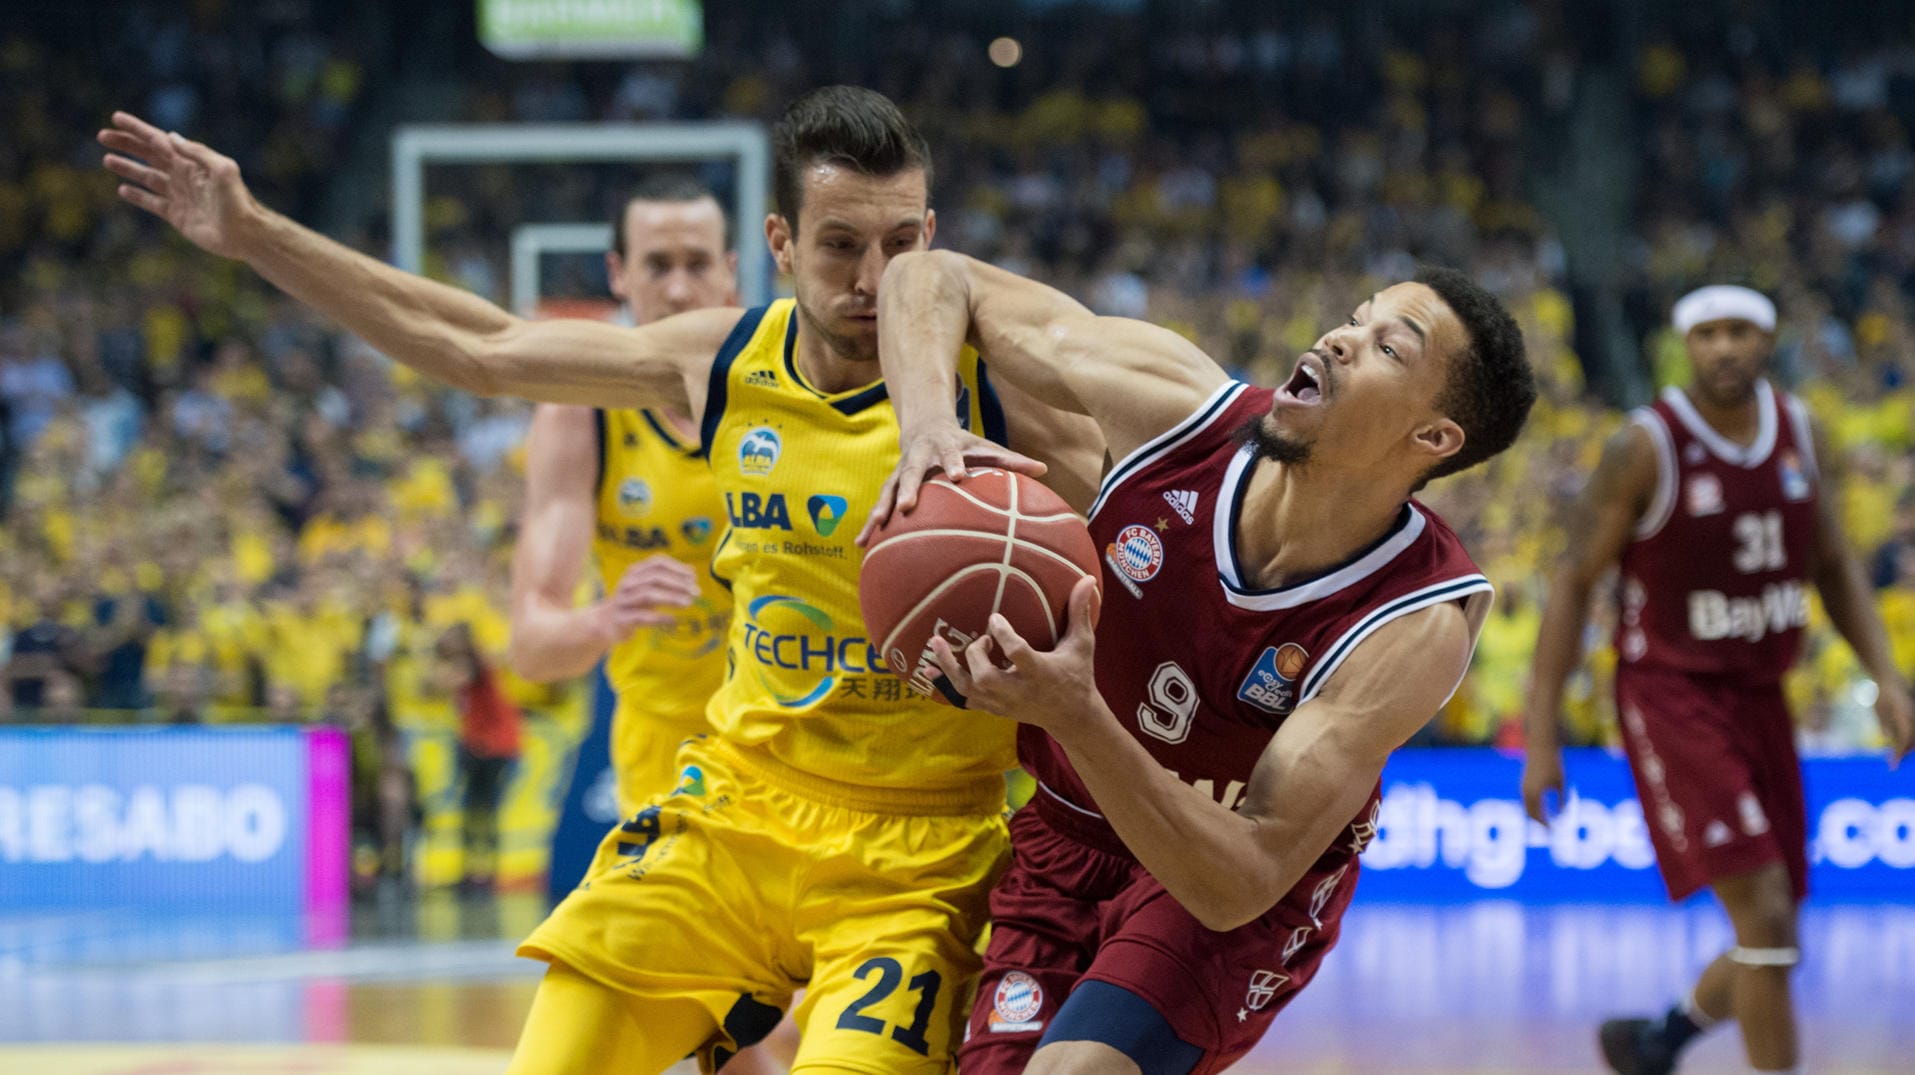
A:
[995,542]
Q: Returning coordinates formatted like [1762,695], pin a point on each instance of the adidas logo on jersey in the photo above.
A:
[1184,503]
[1716,834]
[762,378]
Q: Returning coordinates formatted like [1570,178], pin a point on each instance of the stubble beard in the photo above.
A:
[1268,444]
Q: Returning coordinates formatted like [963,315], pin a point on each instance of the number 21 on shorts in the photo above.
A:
[890,973]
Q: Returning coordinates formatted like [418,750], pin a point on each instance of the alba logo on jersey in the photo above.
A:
[1272,683]
[634,537]
[753,511]
[634,496]
[759,451]
[786,635]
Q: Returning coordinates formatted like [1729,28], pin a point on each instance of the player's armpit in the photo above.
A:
[1320,767]
[663,365]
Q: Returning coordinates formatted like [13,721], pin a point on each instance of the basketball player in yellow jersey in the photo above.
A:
[633,486]
[833,829]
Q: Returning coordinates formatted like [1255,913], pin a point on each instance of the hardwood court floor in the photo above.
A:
[431,987]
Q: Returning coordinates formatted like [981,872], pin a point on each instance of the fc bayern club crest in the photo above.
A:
[1016,1006]
[1136,556]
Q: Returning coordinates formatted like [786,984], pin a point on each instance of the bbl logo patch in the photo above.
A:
[1019,998]
[1272,683]
[759,451]
[1795,484]
[634,496]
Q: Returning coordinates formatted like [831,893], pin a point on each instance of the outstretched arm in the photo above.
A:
[1850,602]
[1132,378]
[551,639]
[1227,867]
[443,332]
[1600,527]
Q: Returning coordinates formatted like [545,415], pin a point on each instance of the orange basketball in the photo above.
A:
[996,542]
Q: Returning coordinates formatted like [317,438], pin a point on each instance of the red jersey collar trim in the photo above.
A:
[1224,541]
[1756,454]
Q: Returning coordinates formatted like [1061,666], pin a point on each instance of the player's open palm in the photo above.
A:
[182,182]
[947,449]
[645,595]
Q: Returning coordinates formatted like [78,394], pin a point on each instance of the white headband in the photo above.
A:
[1719,302]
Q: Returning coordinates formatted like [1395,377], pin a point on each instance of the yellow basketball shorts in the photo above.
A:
[751,880]
[645,749]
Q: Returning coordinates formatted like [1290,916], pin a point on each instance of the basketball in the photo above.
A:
[996,542]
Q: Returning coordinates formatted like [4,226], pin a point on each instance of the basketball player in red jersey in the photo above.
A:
[1278,615]
[1710,500]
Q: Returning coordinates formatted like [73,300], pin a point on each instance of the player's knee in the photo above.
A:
[1763,910]
[1770,923]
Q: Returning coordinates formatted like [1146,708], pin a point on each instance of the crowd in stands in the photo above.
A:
[216,507]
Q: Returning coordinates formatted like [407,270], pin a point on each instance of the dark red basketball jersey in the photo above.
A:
[1201,668]
[1712,582]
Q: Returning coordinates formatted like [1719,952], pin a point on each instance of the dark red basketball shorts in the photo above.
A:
[1067,911]
[1716,769]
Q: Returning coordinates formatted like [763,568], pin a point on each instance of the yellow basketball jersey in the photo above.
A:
[800,470]
[655,495]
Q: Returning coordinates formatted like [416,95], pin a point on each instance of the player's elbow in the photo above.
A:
[1234,897]
[520,659]
[529,660]
[946,267]
[1228,910]
[480,365]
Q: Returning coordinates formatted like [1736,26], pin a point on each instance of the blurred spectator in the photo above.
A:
[1887,567]
[34,380]
[385,810]
[488,747]
[46,652]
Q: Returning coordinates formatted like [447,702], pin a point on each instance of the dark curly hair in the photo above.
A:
[1491,386]
[849,126]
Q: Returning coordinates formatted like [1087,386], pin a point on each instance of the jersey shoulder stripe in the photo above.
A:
[1163,443]
[1664,500]
[720,383]
[1434,594]
[604,439]
[990,410]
